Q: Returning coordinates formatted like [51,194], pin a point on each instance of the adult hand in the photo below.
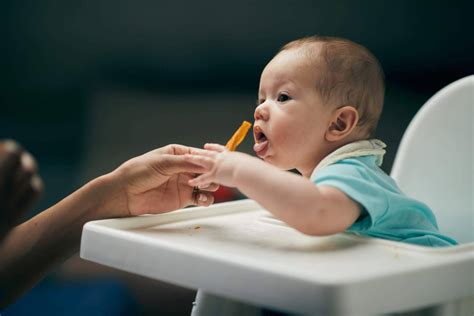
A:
[20,184]
[157,182]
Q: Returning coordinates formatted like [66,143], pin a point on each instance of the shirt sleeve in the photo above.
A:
[354,179]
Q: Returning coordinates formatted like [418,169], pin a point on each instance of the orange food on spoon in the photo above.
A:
[238,136]
[224,194]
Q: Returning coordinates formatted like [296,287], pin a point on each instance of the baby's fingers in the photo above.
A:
[215,147]
[203,152]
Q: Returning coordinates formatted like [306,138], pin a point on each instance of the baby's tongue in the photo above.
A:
[259,146]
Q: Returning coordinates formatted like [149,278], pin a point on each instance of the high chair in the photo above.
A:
[242,259]
[435,158]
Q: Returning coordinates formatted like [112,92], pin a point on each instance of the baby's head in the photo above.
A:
[315,95]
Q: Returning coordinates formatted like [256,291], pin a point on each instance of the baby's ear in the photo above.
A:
[343,122]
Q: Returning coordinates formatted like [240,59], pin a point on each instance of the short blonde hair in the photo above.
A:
[349,74]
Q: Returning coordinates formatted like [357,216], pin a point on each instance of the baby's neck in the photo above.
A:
[324,151]
[307,170]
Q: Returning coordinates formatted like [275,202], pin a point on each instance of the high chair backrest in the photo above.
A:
[434,162]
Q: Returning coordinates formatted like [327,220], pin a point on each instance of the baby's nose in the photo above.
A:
[260,113]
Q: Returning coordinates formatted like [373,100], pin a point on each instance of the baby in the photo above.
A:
[319,102]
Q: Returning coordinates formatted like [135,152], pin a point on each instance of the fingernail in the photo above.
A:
[28,161]
[37,183]
[202,197]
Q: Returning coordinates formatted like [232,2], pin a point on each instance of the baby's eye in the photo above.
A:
[282,97]
[260,101]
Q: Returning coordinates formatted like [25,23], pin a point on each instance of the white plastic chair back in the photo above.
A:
[434,162]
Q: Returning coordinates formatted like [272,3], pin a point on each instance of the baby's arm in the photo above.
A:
[311,209]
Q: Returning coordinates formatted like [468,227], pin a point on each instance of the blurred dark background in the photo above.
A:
[85,85]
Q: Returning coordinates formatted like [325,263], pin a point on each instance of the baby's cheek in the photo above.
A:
[289,140]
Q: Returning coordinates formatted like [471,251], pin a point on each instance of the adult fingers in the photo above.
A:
[176,149]
[25,197]
[170,164]
[10,160]
[32,181]
[212,187]
[173,149]
[28,162]
[203,180]
[205,162]
[202,198]
[27,169]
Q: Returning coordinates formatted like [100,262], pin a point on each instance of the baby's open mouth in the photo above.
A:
[260,137]
[258,134]
[261,141]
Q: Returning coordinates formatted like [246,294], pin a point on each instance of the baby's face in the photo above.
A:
[290,119]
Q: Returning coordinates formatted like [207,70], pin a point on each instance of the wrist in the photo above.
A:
[110,197]
[244,170]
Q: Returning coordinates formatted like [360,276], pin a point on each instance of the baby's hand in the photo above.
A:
[220,161]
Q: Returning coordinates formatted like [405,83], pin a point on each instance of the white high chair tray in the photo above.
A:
[237,250]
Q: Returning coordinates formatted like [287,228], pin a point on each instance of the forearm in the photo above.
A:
[290,197]
[32,248]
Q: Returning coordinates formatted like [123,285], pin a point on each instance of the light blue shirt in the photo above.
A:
[386,211]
